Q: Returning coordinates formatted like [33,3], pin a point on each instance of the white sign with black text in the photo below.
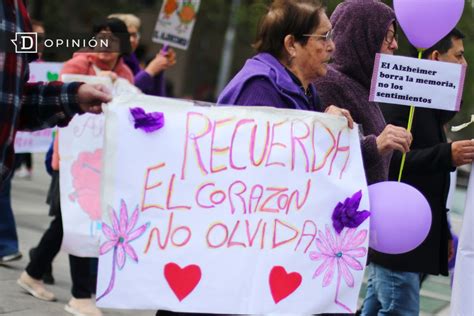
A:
[417,82]
[176,23]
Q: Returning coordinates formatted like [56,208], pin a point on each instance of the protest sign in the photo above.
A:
[33,142]
[417,82]
[80,151]
[463,282]
[235,210]
[44,71]
[38,142]
[176,23]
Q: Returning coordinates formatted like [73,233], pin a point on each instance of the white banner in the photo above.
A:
[176,23]
[463,284]
[418,82]
[33,142]
[80,151]
[38,142]
[230,210]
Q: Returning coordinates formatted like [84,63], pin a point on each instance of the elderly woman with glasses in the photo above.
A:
[363,28]
[294,47]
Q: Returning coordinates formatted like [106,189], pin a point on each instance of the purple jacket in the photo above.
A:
[359,30]
[264,81]
[148,84]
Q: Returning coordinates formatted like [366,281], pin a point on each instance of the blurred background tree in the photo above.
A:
[196,74]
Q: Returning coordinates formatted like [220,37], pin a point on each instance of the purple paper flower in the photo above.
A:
[119,238]
[339,252]
[149,122]
[346,214]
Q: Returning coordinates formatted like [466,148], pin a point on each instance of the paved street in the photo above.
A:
[31,216]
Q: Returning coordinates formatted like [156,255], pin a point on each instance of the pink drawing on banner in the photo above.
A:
[341,252]
[282,283]
[119,236]
[86,182]
[182,281]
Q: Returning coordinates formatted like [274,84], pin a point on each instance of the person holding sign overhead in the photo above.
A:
[294,45]
[150,80]
[427,168]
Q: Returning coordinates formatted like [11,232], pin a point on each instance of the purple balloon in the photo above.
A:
[400,217]
[425,22]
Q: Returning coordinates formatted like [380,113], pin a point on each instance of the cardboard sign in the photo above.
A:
[176,22]
[229,210]
[417,82]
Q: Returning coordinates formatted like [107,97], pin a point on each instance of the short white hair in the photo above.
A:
[130,20]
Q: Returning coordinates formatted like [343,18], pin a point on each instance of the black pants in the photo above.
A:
[83,275]
[24,158]
[47,249]
[83,270]
[50,243]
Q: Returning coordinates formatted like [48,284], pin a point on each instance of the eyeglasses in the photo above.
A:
[390,37]
[326,37]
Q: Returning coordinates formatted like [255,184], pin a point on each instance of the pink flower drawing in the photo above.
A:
[119,237]
[339,255]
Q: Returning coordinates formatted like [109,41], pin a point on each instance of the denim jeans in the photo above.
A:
[8,235]
[390,292]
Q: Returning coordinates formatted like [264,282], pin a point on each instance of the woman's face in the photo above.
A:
[390,42]
[311,60]
[109,58]
[134,37]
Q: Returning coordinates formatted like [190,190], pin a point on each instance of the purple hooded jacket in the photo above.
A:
[149,85]
[359,28]
[264,81]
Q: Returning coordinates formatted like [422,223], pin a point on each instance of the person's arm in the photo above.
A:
[420,160]
[333,94]
[150,85]
[55,103]
[47,105]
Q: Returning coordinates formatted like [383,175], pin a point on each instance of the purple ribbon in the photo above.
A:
[346,214]
[148,122]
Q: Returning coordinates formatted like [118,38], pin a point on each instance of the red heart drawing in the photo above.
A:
[282,283]
[182,280]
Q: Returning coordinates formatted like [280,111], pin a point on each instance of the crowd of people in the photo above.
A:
[305,61]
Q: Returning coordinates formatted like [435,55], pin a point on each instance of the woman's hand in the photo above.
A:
[162,61]
[91,97]
[334,110]
[394,138]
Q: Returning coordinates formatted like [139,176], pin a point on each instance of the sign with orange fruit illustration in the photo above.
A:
[176,23]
